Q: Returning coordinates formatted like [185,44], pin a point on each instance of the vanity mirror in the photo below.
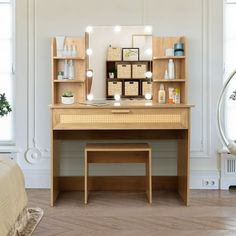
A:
[121,61]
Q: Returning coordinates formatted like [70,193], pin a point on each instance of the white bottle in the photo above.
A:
[71,72]
[171,69]
[74,51]
[166,76]
[65,51]
[162,95]
[66,69]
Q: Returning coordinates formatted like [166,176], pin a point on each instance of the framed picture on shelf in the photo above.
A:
[144,43]
[130,54]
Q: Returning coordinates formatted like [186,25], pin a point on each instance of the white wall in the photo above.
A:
[39,20]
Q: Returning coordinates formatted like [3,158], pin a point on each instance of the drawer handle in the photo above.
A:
[120,111]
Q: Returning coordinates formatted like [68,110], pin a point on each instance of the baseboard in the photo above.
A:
[117,183]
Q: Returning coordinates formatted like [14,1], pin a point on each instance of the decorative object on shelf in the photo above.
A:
[67,97]
[169,52]
[71,71]
[162,95]
[66,70]
[111,75]
[179,49]
[230,144]
[130,54]
[144,43]
[5,107]
[60,75]
[60,45]
[171,95]
[89,80]
[123,70]
[114,54]
[177,96]
[166,76]
[171,69]
[139,70]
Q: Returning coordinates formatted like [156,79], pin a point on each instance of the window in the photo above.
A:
[6,67]
[230,65]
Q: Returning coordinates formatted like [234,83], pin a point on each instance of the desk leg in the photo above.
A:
[85,178]
[183,167]
[148,166]
[55,161]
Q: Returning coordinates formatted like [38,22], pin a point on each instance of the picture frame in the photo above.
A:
[130,54]
[144,43]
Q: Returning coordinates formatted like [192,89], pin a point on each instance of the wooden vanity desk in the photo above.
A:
[130,120]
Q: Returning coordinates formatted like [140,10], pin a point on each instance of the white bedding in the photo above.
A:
[13,198]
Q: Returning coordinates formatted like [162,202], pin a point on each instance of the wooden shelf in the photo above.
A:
[169,80]
[68,81]
[68,58]
[115,79]
[167,58]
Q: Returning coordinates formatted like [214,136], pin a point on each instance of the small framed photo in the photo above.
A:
[130,54]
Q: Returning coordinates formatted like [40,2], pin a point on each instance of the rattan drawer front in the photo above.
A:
[121,118]
[131,88]
[123,71]
[146,87]
[114,87]
[139,70]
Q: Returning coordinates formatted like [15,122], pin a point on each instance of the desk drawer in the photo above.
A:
[120,118]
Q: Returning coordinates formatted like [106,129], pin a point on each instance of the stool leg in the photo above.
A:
[85,178]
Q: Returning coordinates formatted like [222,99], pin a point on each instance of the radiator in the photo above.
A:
[228,171]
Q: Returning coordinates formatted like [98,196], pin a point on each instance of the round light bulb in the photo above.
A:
[89,73]
[148,74]
[148,96]
[90,97]
[89,51]
[148,29]
[117,28]
[89,29]
[148,51]
[117,97]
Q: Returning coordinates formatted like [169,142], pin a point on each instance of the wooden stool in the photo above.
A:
[119,153]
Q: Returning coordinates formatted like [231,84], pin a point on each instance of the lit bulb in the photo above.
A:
[117,28]
[148,74]
[148,29]
[117,97]
[89,51]
[148,96]
[89,73]
[89,29]
[90,97]
[148,51]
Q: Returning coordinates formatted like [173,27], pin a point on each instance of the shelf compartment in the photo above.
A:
[156,87]
[159,67]
[79,68]
[78,89]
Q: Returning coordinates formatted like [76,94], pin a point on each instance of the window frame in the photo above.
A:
[12,142]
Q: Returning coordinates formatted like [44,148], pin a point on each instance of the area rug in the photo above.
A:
[26,222]
[34,217]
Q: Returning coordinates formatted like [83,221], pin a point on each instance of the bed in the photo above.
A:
[13,198]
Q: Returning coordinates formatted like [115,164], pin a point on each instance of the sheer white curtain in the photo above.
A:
[6,67]
[230,65]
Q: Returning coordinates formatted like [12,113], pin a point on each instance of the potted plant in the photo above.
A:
[5,107]
[67,97]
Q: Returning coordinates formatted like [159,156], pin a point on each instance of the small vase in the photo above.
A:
[67,100]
